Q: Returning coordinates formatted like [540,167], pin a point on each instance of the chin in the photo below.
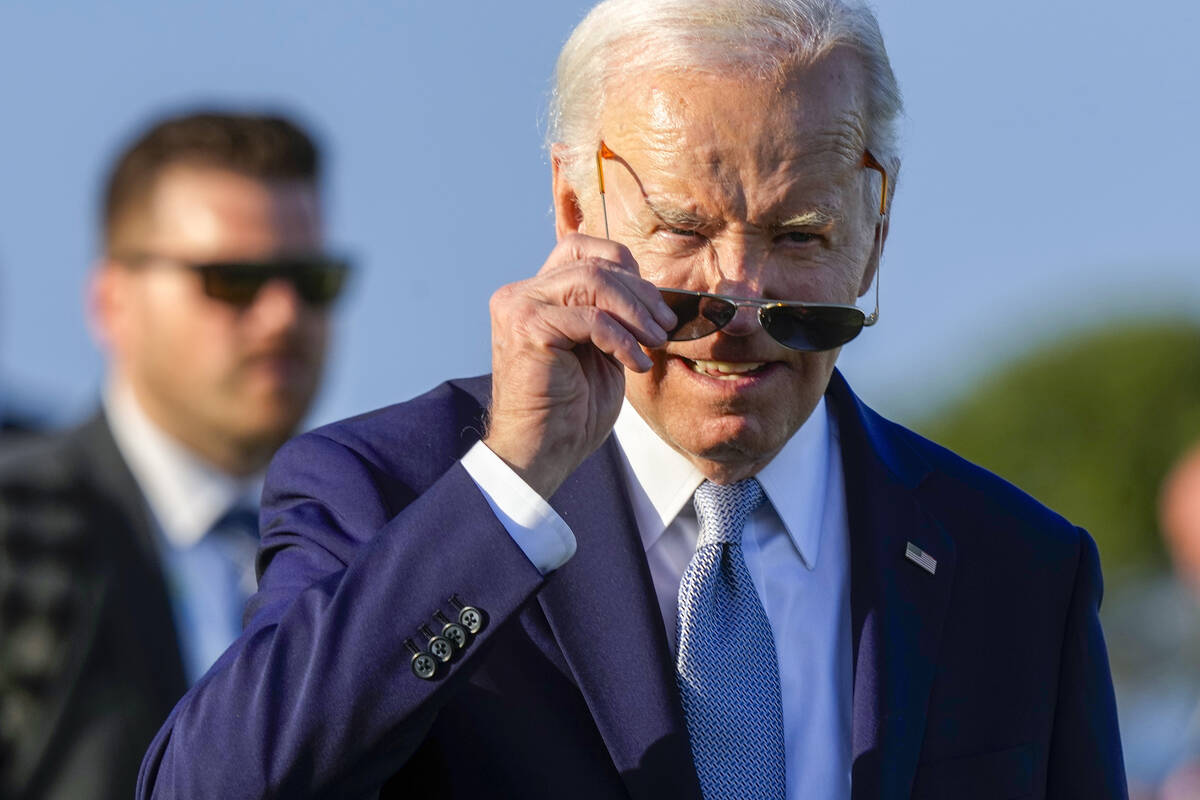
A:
[727,439]
[275,418]
[725,444]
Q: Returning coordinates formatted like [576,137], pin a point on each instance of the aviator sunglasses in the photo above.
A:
[795,325]
[317,279]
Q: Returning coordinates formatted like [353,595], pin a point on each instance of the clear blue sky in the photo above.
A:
[1050,178]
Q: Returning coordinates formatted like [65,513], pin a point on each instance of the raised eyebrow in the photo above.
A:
[813,218]
[675,217]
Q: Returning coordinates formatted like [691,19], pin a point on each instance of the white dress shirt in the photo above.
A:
[186,497]
[796,549]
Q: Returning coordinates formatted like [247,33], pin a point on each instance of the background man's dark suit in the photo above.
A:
[201,388]
[985,679]
[85,624]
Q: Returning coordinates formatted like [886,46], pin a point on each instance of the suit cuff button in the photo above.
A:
[441,647]
[470,617]
[456,633]
[424,666]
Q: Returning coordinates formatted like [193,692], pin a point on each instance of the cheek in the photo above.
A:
[191,330]
[314,327]
[646,387]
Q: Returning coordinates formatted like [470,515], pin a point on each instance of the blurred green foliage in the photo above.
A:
[1089,426]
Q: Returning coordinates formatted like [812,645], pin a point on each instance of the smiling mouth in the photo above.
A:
[725,370]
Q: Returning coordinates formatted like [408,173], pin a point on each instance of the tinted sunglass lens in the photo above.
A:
[812,328]
[319,284]
[696,315]
[233,284]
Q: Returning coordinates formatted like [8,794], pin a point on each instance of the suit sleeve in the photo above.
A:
[317,697]
[1085,748]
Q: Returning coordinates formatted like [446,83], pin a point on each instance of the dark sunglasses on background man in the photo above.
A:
[317,279]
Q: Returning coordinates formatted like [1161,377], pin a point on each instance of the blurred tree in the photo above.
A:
[1089,426]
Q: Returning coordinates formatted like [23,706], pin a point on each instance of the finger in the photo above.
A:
[569,327]
[621,295]
[578,249]
[648,293]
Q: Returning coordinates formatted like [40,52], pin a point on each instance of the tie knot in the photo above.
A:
[723,510]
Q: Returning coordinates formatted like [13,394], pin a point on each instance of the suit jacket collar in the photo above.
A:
[105,468]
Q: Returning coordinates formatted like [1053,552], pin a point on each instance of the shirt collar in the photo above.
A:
[795,481]
[186,494]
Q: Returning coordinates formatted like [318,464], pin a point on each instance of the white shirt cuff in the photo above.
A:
[536,527]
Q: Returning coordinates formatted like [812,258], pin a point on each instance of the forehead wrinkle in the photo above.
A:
[843,139]
[848,137]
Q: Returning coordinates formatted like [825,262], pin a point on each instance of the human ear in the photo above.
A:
[107,304]
[568,216]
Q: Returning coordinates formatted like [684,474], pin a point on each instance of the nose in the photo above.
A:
[739,266]
[277,306]
[739,271]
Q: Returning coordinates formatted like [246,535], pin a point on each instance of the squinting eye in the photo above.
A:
[681,232]
[800,237]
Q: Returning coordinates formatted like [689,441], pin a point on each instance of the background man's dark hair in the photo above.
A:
[265,147]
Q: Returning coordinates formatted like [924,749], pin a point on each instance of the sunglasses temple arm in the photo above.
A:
[600,178]
[873,317]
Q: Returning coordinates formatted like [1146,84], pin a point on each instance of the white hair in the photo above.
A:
[760,39]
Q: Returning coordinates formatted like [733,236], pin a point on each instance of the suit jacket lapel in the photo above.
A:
[896,607]
[602,610]
[130,542]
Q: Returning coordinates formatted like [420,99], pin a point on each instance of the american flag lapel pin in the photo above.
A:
[920,558]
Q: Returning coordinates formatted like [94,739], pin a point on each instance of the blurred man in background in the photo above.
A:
[1179,513]
[1179,510]
[128,543]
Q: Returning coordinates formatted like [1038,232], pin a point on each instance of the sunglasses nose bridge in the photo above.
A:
[277,300]
[745,319]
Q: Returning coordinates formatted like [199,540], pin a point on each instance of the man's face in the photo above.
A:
[231,382]
[754,190]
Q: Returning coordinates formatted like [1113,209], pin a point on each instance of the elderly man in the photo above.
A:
[127,544]
[501,588]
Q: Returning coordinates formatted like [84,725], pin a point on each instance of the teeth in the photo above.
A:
[724,369]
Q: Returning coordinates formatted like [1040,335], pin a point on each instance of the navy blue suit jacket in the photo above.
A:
[986,679]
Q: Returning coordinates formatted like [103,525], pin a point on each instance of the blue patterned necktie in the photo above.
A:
[212,581]
[726,667]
